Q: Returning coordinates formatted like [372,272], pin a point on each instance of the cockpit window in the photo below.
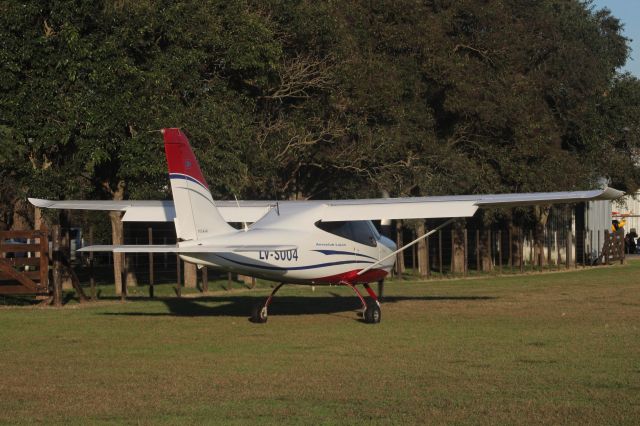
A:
[359,231]
[341,229]
[374,230]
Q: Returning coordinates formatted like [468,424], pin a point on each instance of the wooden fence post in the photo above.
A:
[466,253]
[124,273]
[569,247]
[413,255]
[477,250]
[151,277]
[453,251]
[549,247]
[44,257]
[584,247]
[422,251]
[500,251]
[521,248]
[490,249]
[440,252]
[205,279]
[179,276]
[92,275]
[510,233]
[531,258]
[400,266]
[428,256]
[57,266]
[558,259]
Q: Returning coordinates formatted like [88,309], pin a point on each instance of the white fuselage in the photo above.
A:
[319,256]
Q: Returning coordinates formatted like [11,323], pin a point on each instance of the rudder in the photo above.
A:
[196,214]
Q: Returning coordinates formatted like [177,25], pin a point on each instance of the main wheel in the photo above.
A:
[259,313]
[372,315]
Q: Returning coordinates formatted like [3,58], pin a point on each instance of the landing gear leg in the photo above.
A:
[259,313]
[380,290]
[371,309]
[372,315]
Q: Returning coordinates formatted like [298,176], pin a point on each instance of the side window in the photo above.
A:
[362,233]
[341,229]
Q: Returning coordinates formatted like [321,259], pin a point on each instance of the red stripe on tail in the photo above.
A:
[180,158]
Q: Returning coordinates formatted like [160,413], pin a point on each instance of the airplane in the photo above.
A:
[313,242]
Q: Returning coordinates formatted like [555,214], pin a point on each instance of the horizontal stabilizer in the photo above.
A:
[189,249]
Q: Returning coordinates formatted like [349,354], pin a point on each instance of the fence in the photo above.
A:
[502,250]
[28,258]
[24,262]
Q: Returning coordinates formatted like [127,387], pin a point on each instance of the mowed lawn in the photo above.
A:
[550,348]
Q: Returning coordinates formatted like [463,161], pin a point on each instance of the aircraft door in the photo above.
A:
[368,245]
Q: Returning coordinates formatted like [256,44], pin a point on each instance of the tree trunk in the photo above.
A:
[541,215]
[117,238]
[485,249]
[399,242]
[20,218]
[38,219]
[457,246]
[515,244]
[190,275]
[65,247]
[423,263]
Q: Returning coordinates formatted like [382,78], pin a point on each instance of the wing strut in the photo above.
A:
[406,246]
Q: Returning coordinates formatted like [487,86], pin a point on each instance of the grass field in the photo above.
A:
[550,348]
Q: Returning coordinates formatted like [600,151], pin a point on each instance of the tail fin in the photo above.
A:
[196,214]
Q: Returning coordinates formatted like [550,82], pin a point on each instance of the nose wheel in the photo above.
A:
[370,308]
[372,313]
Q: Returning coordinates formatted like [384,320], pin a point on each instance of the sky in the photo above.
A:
[628,11]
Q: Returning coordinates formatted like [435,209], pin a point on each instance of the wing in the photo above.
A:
[189,249]
[452,205]
[337,210]
[159,211]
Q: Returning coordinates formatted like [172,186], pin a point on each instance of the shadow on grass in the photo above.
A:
[241,306]
[10,300]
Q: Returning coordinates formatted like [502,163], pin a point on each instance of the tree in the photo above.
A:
[87,84]
[297,99]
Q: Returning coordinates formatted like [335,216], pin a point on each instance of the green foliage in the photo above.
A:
[315,99]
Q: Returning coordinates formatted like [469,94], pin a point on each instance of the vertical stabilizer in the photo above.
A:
[196,214]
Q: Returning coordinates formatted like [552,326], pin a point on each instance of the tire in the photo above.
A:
[259,314]
[372,315]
